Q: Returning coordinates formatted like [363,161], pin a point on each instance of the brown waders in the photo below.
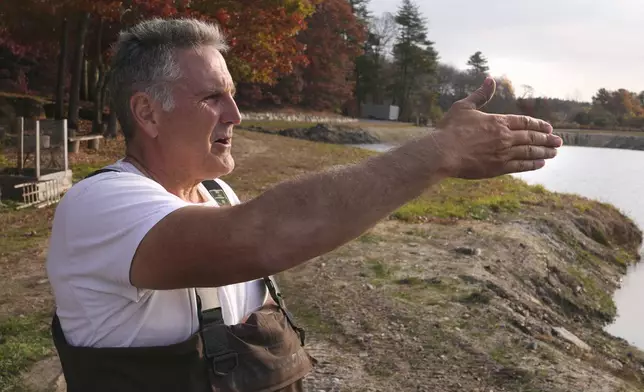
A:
[263,354]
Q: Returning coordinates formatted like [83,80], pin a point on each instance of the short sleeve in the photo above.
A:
[103,219]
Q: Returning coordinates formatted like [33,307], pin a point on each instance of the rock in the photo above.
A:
[468,251]
[615,364]
[532,346]
[370,286]
[61,384]
[363,354]
[570,337]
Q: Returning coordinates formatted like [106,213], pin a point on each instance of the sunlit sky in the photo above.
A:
[562,48]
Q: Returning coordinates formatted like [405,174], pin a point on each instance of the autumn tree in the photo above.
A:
[414,56]
[620,107]
[360,11]
[263,37]
[504,100]
[333,39]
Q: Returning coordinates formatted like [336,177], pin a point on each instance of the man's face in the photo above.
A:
[197,133]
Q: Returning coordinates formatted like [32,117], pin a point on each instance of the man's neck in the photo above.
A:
[172,180]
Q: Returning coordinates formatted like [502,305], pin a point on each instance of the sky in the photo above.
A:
[562,48]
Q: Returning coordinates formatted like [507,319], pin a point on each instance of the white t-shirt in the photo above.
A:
[97,228]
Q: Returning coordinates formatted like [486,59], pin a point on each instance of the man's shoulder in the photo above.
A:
[113,190]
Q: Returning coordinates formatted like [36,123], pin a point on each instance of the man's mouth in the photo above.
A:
[224,141]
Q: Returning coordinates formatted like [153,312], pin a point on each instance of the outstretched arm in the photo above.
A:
[303,218]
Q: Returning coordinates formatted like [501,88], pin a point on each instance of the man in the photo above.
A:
[159,287]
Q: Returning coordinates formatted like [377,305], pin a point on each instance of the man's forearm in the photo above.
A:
[306,217]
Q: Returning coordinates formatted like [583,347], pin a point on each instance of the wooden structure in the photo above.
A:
[43,183]
[93,142]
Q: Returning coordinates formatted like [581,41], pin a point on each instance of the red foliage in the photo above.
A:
[263,33]
[334,40]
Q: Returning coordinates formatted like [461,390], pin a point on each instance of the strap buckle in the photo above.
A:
[223,364]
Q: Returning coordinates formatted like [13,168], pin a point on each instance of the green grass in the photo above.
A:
[369,238]
[601,298]
[477,200]
[23,340]
[380,269]
[501,355]
[22,230]
[82,170]
[4,162]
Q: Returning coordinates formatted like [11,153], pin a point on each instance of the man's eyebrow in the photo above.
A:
[218,90]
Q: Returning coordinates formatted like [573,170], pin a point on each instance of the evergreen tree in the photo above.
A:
[478,63]
[414,55]
[360,10]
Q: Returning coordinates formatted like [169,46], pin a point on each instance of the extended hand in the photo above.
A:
[480,145]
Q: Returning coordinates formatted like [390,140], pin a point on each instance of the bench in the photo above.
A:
[93,142]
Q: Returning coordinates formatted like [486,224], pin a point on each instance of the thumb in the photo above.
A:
[481,96]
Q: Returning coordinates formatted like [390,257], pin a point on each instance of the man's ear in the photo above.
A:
[143,112]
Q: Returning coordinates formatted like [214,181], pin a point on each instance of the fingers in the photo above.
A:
[480,97]
[520,166]
[530,153]
[519,123]
[535,138]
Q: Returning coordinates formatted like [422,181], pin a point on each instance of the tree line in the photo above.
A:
[321,55]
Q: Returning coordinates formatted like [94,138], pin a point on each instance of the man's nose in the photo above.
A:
[231,114]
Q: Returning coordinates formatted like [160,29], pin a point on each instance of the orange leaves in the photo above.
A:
[262,33]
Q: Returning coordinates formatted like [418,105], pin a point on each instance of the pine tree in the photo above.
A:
[478,63]
[414,54]
[360,10]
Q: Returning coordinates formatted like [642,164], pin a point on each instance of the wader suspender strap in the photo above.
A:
[218,193]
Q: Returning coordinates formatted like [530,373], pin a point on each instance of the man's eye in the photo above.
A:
[213,97]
